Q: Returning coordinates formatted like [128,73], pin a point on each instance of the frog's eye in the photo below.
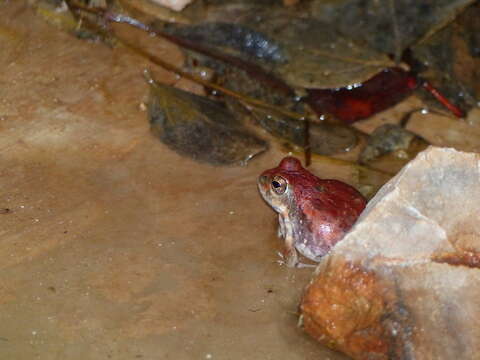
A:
[279,185]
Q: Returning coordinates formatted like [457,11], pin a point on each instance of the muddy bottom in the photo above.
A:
[113,246]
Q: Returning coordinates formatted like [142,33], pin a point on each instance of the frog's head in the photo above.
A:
[279,186]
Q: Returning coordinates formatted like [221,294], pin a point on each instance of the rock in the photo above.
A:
[176,5]
[390,147]
[404,283]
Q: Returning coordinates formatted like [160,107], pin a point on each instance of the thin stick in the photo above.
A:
[455,110]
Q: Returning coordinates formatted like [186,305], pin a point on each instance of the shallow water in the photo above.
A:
[114,246]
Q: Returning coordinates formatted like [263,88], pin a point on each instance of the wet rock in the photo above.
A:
[404,283]
[176,5]
[390,147]
[388,138]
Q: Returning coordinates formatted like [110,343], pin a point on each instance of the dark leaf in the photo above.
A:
[200,128]
[388,26]
[324,138]
[453,60]
[302,52]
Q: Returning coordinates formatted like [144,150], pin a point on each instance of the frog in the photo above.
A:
[314,214]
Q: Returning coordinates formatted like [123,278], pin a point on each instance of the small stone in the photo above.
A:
[393,145]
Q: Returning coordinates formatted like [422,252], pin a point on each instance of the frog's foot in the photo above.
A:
[281,227]
[301,265]
[289,257]
[291,260]
[281,261]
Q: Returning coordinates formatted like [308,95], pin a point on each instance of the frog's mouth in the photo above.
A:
[263,189]
[263,185]
[263,180]
[269,200]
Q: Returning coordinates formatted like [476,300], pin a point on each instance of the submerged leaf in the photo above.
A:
[200,128]
[303,52]
[388,26]
[350,104]
[453,60]
[323,138]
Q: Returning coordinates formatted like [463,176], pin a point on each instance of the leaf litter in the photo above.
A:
[329,45]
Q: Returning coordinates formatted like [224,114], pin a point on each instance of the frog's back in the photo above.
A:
[330,210]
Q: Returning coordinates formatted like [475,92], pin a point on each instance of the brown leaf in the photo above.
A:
[200,128]
[388,26]
[302,52]
[453,62]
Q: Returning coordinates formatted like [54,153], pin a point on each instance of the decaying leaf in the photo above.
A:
[303,52]
[324,138]
[452,60]
[388,26]
[200,128]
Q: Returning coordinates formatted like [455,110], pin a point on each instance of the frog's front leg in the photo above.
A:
[286,229]
[291,257]
[281,226]
[291,260]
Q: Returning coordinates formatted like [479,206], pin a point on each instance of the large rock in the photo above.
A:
[405,282]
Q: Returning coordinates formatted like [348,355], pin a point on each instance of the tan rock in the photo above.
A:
[405,282]
[176,5]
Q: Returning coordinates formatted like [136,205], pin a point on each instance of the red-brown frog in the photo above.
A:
[314,214]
